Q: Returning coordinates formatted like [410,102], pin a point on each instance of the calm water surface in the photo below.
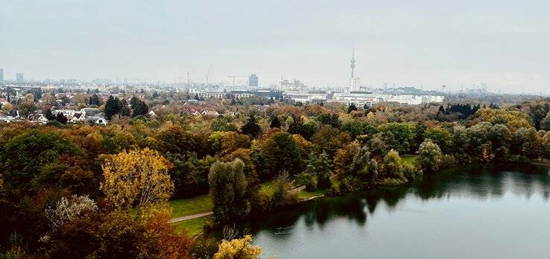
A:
[478,213]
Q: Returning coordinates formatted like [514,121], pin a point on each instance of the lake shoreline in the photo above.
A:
[395,214]
[469,167]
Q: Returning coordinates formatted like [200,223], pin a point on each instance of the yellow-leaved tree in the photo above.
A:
[238,248]
[136,178]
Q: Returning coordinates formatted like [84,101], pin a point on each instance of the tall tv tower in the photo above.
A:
[352,82]
[352,65]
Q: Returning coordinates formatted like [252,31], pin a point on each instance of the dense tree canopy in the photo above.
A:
[279,153]
[106,187]
[24,156]
[251,128]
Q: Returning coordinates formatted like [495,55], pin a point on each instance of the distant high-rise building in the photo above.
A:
[19,77]
[253,80]
[1,75]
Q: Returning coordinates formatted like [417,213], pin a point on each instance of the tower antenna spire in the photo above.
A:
[352,75]
[352,65]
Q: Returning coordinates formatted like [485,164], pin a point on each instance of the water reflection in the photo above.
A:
[476,184]
[484,184]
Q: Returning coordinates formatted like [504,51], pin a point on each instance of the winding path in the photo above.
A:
[189,217]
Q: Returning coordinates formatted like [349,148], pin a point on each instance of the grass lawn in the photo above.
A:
[193,226]
[203,203]
[303,194]
[185,207]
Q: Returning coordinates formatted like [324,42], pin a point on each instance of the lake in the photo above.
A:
[473,213]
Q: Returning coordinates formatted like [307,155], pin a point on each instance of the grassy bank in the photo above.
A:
[186,207]
[203,203]
[304,195]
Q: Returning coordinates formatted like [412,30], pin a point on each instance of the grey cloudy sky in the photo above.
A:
[425,42]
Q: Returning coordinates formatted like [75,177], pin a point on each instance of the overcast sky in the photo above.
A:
[505,44]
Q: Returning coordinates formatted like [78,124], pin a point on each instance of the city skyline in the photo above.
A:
[426,44]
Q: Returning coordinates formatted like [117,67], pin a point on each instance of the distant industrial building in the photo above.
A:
[207,94]
[19,77]
[360,97]
[368,98]
[356,97]
[266,93]
[294,85]
[253,80]
[307,96]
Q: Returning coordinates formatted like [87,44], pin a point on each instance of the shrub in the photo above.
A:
[282,191]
